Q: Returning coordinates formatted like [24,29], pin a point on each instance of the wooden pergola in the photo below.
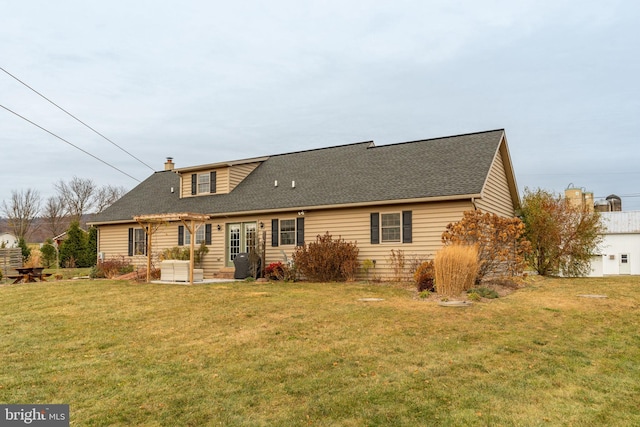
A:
[151,223]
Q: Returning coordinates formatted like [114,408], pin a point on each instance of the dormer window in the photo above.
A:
[203,183]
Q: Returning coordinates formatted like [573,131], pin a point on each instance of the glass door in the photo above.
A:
[241,237]
[233,242]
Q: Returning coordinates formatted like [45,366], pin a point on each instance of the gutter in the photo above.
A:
[461,197]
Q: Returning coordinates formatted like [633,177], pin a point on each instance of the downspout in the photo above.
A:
[473,202]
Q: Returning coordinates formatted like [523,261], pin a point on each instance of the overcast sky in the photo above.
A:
[208,81]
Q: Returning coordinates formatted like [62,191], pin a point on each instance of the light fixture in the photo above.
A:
[261,224]
[219,227]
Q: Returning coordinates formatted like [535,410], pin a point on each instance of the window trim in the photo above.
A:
[137,238]
[406,227]
[199,239]
[184,237]
[297,233]
[204,183]
[397,227]
[290,233]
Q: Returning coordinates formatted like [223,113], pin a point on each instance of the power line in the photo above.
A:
[622,195]
[64,140]
[77,119]
[590,173]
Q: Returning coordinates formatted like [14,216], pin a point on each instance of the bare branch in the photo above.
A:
[106,196]
[54,218]
[22,211]
[78,196]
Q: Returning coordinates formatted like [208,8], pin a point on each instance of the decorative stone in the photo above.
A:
[454,303]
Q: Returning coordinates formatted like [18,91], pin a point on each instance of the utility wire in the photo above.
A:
[77,119]
[622,195]
[64,140]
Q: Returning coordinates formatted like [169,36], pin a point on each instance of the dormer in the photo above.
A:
[215,178]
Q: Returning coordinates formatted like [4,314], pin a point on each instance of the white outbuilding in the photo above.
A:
[8,240]
[619,252]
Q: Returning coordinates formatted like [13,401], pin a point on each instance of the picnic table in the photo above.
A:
[29,275]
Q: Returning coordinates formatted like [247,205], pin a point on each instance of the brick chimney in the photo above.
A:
[168,165]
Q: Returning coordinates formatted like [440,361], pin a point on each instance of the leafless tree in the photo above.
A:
[78,196]
[54,218]
[106,195]
[22,211]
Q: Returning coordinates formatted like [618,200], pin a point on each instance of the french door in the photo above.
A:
[240,237]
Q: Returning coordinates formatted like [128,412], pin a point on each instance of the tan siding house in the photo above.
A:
[394,197]
[496,196]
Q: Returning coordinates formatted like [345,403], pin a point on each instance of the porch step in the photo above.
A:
[225,273]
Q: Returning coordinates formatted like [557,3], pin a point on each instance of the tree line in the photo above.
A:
[73,200]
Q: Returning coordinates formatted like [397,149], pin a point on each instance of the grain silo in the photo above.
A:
[579,197]
[602,205]
[615,202]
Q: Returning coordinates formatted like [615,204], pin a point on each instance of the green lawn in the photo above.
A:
[300,354]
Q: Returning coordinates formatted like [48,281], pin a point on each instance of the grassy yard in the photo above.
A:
[314,354]
[67,273]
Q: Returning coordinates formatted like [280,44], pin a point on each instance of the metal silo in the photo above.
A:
[615,202]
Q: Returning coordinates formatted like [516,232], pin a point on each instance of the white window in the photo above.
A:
[391,231]
[204,183]
[139,242]
[288,232]
[200,233]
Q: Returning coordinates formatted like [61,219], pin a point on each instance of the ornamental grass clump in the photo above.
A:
[456,269]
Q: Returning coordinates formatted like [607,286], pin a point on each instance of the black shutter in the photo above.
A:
[194,184]
[146,239]
[130,241]
[406,227]
[207,234]
[212,182]
[181,235]
[275,229]
[375,228]
[299,231]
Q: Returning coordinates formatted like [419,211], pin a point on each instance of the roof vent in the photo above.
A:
[293,184]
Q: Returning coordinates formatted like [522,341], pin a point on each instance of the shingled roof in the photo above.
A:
[360,173]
